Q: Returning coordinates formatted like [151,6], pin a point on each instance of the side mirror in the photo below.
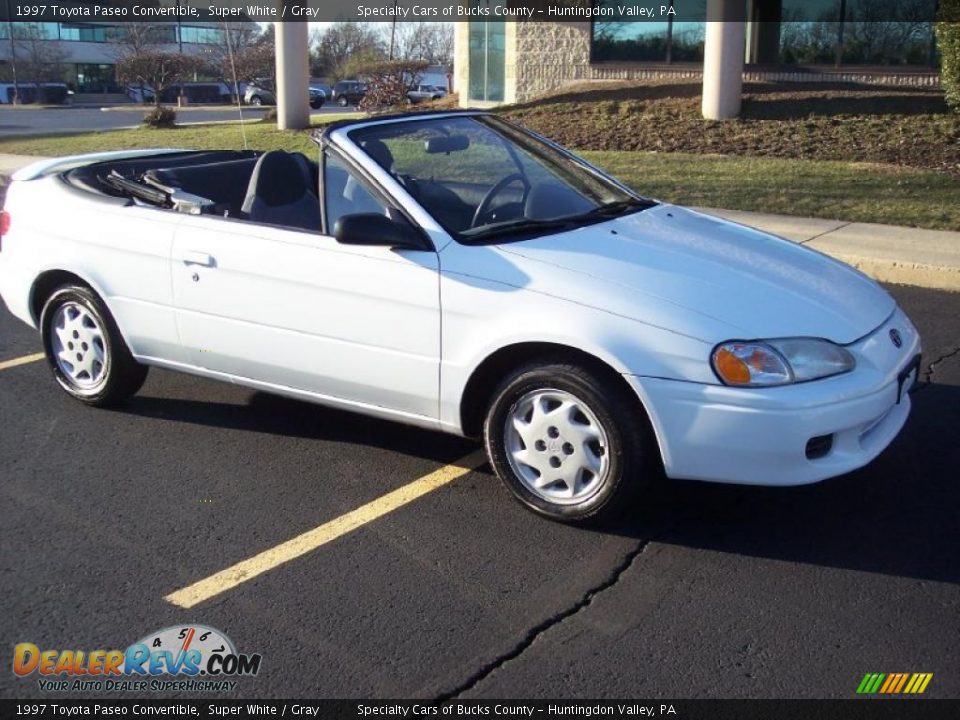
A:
[376,229]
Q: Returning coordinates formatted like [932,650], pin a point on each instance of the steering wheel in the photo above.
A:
[484,207]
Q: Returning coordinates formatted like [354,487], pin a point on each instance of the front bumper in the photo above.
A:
[759,436]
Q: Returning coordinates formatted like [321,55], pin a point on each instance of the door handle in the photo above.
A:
[195,257]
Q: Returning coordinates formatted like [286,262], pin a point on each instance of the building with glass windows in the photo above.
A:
[837,40]
[84,55]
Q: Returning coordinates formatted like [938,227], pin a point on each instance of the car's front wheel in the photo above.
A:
[256,101]
[342,102]
[566,442]
[85,350]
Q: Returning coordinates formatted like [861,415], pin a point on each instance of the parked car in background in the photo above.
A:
[317,98]
[422,93]
[348,92]
[47,93]
[257,95]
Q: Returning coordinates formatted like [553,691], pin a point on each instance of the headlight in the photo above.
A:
[764,363]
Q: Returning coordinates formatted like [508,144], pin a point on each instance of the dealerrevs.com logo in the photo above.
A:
[192,658]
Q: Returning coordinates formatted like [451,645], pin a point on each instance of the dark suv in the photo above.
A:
[348,92]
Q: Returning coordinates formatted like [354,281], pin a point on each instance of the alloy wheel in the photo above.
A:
[78,345]
[556,446]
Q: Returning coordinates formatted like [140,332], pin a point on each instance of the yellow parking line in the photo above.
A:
[26,359]
[248,569]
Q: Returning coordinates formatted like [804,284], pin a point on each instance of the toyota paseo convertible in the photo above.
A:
[456,272]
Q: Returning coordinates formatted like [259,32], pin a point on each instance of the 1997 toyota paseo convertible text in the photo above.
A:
[454,271]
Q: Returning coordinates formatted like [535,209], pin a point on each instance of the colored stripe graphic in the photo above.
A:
[894,683]
[903,680]
[891,678]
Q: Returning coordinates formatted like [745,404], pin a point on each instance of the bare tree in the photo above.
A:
[253,64]
[157,70]
[243,54]
[884,31]
[344,46]
[137,38]
[40,59]
[428,42]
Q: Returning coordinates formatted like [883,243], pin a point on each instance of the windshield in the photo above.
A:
[484,179]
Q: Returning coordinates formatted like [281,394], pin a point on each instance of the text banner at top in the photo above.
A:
[173,11]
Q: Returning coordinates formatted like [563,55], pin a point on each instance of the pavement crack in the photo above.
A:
[536,632]
[932,367]
[825,232]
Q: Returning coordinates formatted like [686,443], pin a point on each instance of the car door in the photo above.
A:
[295,309]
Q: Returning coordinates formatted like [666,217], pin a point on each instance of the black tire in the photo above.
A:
[118,376]
[256,101]
[629,452]
[342,102]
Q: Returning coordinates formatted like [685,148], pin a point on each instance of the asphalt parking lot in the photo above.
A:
[703,591]
[27,120]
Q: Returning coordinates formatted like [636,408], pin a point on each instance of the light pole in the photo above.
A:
[670,35]
[13,57]
[393,27]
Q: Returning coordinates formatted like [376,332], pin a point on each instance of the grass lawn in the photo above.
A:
[841,190]
[260,136]
[835,190]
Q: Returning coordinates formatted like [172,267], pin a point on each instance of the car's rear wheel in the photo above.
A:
[566,442]
[85,350]
[342,102]
[256,100]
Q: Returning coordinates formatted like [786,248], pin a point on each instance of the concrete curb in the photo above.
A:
[889,253]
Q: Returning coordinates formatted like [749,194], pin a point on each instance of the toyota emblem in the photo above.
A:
[895,337]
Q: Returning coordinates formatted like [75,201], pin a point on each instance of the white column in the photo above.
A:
[293,76]
[723,59]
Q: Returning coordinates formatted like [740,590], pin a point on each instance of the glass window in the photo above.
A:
[96,78]
[886,33]
[35,31]
[86,33]
[679,40]
[200,35]
[345,193]
[481,177]
[487,60]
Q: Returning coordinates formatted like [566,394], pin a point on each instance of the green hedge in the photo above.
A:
[948,38]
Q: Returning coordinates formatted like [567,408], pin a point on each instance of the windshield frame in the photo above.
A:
[533,144]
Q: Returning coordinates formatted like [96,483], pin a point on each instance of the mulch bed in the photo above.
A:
[860,123]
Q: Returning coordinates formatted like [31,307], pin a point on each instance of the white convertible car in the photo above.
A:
[456,272]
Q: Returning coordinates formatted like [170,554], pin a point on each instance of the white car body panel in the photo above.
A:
[399,334]
[361,323]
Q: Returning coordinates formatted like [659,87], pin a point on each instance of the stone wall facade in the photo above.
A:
[546,56]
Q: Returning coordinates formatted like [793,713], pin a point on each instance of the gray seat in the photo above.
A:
[279,193]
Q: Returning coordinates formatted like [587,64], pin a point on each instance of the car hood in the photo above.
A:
[703,276]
